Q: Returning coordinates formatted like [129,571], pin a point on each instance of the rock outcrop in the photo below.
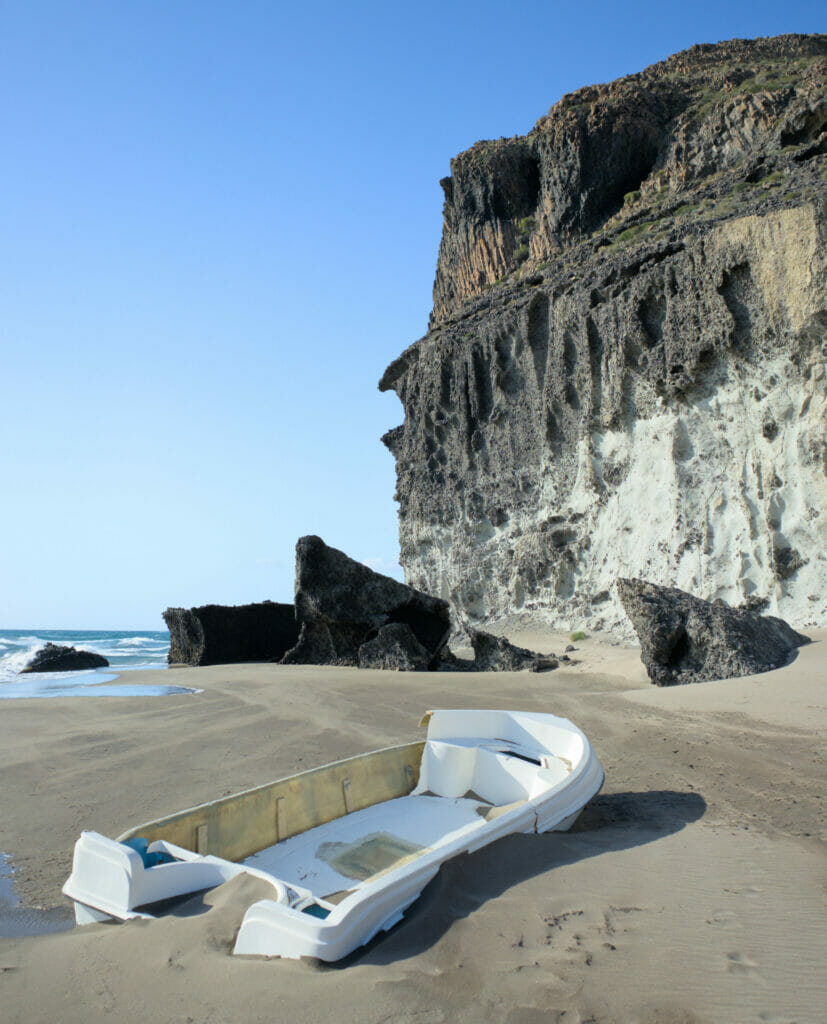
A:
[624,373]
[54,658]
[217,634]
[351,615]
[686,640]
[395,647]
[496,654]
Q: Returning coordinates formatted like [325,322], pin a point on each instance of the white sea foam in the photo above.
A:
[41,685]
[15,661]
[92,647]
[17,648]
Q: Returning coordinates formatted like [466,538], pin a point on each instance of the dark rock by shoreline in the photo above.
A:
[394,647]
[222,634]
[351,615]
[684,639]
[496,654]
[54,658]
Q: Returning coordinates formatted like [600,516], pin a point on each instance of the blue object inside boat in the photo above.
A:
[140,845]
[315,910]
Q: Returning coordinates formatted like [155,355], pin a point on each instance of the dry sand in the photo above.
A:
[691,889]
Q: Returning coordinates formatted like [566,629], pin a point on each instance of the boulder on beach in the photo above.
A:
[55,658]
[496,654]
[395,646]
[345,611]
[684,639]
[217,634]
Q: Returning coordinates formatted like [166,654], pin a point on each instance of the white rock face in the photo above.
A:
[708,502]
[720,489]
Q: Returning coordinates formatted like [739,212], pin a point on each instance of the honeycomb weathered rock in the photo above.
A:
[625,371]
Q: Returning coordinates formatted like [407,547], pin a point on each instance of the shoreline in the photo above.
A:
[689,889]
[99,682]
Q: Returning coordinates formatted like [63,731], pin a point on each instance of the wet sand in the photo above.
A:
[691,889]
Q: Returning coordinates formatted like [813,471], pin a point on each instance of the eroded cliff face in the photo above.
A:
[625,369]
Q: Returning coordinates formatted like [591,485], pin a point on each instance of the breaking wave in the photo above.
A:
[124,650]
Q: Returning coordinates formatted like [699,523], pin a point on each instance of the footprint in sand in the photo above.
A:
[583,936]
[745,890]
[726,919]
[740,963]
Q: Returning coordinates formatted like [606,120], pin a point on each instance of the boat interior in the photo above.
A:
[332,830]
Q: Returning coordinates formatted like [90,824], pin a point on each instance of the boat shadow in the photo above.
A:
[611,822]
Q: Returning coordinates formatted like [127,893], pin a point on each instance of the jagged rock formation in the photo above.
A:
[496,654]
[351,615]
[217,634]
[54,658]
[686,640]
[625,370]
[395,647]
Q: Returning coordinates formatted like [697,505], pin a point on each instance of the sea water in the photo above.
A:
[124,650]
[16,920]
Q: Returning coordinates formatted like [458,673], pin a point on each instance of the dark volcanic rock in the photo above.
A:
[686,640]
[342,606]
[396,647]
[53,658]
[220,634]
[496,654]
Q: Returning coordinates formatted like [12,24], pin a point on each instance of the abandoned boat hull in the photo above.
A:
[348,847]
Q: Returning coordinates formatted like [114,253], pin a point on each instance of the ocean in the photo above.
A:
[125,650]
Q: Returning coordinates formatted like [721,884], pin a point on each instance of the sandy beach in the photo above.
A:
[690,890]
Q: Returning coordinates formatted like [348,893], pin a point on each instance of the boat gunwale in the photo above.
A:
[176,817]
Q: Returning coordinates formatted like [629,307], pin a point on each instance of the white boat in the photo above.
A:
[348,847]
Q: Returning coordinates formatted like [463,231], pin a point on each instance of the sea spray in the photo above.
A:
[125,650]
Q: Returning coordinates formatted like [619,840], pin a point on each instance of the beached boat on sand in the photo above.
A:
[348,847]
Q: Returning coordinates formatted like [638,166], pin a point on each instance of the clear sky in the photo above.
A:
[220,222]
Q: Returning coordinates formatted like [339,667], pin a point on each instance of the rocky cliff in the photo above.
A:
[624,373]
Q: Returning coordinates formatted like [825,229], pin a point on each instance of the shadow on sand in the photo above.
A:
[615,821]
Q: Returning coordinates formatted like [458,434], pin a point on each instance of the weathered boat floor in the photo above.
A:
[339,856]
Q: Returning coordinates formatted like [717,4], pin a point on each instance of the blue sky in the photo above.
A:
[220,223]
